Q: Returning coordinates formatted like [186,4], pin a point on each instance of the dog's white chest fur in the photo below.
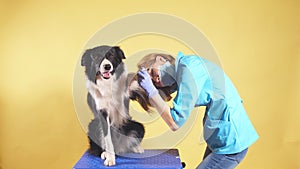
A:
[109,94]
[104,94]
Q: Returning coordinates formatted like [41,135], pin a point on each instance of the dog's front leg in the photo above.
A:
[109,154]
[92,88]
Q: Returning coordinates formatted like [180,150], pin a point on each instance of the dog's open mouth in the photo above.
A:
[106,75]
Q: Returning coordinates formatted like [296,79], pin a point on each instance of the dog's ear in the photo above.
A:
[119,52]
[86,58]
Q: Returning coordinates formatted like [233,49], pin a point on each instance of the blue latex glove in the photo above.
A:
[146,83]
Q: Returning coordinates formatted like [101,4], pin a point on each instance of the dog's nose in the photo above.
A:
[107,66]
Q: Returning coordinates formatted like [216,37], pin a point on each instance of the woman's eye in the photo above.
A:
[152,73]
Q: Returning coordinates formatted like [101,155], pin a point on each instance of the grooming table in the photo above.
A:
[155,158]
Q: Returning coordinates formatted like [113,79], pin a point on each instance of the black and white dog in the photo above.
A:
[112,131]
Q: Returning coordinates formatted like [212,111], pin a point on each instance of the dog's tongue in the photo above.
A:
[106,74]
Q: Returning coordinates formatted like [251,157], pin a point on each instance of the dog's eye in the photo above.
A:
[98,73]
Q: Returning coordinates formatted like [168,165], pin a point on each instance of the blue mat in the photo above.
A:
[156,158]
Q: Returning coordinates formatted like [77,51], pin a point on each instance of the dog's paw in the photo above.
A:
[109,158]
[138,149]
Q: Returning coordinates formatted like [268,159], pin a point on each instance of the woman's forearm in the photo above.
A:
[164,110]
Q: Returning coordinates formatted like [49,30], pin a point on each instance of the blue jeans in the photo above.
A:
[221,161]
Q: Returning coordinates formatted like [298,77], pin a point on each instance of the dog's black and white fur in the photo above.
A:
[112,131]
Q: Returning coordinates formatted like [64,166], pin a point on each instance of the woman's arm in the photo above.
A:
[155,99]
[164,110]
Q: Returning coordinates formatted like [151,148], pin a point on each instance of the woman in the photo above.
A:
[227,129]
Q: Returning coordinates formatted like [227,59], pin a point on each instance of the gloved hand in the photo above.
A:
[146,83]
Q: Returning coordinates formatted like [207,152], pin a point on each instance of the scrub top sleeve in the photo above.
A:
[187,95]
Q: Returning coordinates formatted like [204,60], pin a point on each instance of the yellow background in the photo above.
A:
[258,43]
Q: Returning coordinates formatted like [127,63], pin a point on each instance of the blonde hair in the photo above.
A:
[149,59]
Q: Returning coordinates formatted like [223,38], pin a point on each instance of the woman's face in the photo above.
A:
[154,71]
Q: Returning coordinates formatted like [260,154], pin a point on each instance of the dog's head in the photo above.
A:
[102,62]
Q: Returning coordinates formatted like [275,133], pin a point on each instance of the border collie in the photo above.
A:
[112,131]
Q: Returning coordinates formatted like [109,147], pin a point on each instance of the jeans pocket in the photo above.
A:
[232,157]
[238,157]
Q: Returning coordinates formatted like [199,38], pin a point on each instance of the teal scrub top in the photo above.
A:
[226,127]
